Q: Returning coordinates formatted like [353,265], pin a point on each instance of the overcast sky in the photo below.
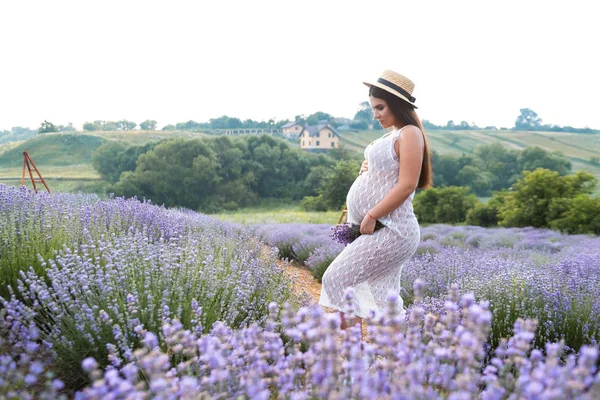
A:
[174,61]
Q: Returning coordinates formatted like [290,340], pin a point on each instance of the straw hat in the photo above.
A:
[396,84]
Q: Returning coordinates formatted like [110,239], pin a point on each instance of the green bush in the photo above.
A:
[314,203]
[482,215]
[448,205]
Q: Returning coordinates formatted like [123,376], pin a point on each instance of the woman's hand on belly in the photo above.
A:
[364,167]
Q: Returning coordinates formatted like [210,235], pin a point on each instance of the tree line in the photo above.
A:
[541,198]
[493,167]
[530,188]
[527,120]
[216,173]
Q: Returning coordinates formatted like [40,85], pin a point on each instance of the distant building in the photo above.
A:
[319,137]
[291,129]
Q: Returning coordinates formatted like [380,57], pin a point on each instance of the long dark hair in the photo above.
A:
[405,114]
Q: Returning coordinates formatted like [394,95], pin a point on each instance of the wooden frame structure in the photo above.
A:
[344,216]
[27,164]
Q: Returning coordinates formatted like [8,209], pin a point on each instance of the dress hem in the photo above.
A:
[340,309]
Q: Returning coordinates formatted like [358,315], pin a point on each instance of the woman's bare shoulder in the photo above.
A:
[411,133]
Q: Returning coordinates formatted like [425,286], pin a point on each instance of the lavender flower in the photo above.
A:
[348,232]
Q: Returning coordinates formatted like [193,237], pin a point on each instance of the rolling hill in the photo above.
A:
[65,158]
[577,147]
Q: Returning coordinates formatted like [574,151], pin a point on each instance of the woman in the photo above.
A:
[395,165]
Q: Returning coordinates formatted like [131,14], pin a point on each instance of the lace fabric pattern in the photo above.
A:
[372,264]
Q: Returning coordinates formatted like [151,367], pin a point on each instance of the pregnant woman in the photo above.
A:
[395,165]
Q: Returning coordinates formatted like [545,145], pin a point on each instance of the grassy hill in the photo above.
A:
[64,159]
[578,148]
[59,149]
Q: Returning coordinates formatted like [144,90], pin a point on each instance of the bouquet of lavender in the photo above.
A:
[346,233]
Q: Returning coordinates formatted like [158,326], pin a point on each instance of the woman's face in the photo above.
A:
[382,112]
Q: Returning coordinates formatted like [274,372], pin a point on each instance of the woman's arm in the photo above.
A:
[409,148]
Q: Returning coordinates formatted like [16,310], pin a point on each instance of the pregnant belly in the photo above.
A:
[361,198]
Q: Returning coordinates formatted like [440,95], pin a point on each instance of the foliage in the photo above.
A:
[482,215]
[359,124]
[335,186]
[124,125]
[543,196]
[521,271]
[100,125]
[493,167]
[314,203]
[175,173]
[532,158]
[47,127]
[218,173]
[364,113]
[16,133]
[57,149]
[582,216]
[113,158]
[148,125]
[444,205]
[434,356]
[319,117]
[97,273]
[528,120]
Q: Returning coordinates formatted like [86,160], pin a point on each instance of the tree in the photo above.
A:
[225,122]
[124,125]
[148,125]
[535,157]
[583,216]
[90,127]
[67,128]
[364,113]
[359,124]
[113,158]
[500,163]
[47,127]
[479,181]
[542,196]
[106,160]
[335,186]
[319,117]
[448,205]
[528,120]
[482,215]
[175,173]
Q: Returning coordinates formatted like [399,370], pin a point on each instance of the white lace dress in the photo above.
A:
[372,264]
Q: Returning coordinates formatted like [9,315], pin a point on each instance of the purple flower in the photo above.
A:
[348,232]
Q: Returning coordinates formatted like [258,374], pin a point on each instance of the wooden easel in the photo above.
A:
[28,163]
[344,216]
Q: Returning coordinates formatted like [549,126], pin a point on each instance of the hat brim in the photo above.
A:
[389,90]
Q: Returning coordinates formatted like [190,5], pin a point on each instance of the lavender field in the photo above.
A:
[125,299]
[522,272]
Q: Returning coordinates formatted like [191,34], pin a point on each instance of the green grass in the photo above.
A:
[279,213]
[143,137]
[577,147]
[53,149]
[82,171]
[9,146]
[64,185]
[71,178]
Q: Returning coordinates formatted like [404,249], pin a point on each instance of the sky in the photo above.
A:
[175,61]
